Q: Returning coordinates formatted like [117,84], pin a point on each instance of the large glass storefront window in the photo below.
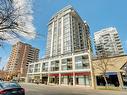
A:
[67,64]
[44,67]
[67,78]
[36,78]
[82,62]
[44,78]
[83,80]
[54,78]
[30,79]
[112,79]
[55,65]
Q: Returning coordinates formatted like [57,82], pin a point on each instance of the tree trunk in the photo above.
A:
[106,83]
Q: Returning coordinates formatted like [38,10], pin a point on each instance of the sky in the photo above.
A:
[99,14]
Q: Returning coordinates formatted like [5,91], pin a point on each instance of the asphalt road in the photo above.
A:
[34,89]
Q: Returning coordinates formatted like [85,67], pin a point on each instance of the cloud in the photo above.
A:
[9,38]
[25,23]
[27,19]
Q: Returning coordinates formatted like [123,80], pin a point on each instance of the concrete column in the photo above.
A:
[73,64]
[40,77]
[57,37]
[49,65]
[27,78]
[120,79]
[52,39]
[60,62]
[41,67]
[62,35]
[73,79]
[93,84]
[33,68]
[59,79]
[48,78]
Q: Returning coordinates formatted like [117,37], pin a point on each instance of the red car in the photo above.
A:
[11,88]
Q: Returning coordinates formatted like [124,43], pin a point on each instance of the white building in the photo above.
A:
[68,52]
[67,33]
[108,40]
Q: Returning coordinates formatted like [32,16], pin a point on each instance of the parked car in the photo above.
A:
[1,79]
[11,88]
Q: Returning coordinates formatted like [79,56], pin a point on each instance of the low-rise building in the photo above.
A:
[71,69]
[116,73]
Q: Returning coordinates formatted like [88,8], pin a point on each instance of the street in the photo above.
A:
[34,89]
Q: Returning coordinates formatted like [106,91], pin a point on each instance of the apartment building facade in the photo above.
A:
[67,33]
[108,40]
[68,52]
[22,54]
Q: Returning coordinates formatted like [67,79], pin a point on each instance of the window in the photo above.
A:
[37,68]
[31,68]
[45,67]
[55,65]
[67,64]
[81,62]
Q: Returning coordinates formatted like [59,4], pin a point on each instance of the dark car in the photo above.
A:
[11,88]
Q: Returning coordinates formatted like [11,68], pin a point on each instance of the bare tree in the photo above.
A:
[15,20]
[102,64]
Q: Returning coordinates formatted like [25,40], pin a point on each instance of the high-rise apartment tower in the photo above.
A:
[67,33]
[22,54]
[107,40]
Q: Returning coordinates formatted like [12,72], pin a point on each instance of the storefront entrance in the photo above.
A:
[67,78]
[83,78]
[111,77]
[54,78]
[44,78]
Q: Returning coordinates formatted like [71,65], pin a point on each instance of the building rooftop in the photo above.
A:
[105,30]
[62,10]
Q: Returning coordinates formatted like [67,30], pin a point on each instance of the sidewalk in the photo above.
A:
[70,86]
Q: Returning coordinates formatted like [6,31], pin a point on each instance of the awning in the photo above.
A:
[53,74]
[82,73]
[67,74]
[71,74]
